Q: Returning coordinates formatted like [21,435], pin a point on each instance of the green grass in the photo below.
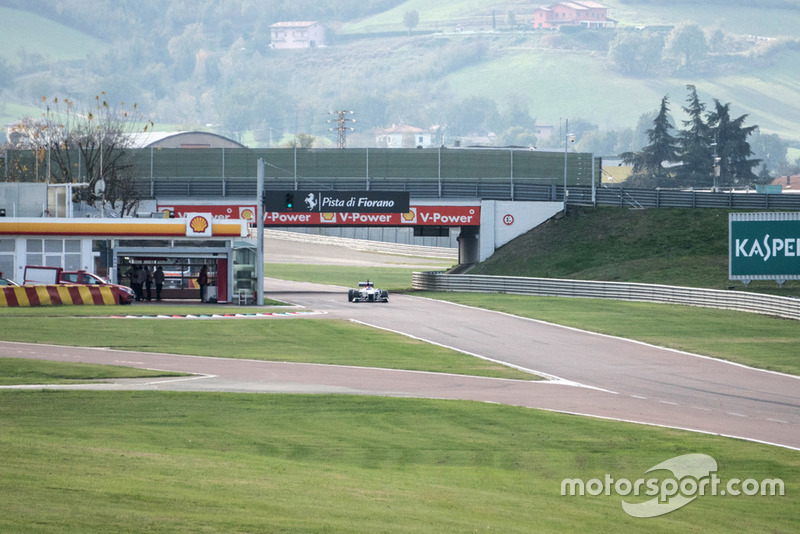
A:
[390,278]
[53,41]
[323,341]
[751,339]
[680,247]
[180,462]
[14,371]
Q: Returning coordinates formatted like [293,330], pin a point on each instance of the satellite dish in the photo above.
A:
[100,187]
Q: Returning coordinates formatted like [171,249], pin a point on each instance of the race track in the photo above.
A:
[587,373]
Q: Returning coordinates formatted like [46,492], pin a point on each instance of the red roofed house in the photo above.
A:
[590,14]
[297,35]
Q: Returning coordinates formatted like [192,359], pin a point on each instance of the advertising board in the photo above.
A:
[419,215]
[336,201]
[764,246]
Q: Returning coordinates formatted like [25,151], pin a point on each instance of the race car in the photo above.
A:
[367,292]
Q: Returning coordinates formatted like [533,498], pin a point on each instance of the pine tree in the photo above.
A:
[696,150]
[733,150]
[663,147]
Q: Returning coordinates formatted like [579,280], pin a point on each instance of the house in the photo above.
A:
[404,137]
[297,34]
[583,13]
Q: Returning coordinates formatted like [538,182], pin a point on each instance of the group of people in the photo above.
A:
[142,281]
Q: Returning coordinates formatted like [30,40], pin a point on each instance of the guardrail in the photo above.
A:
[710,298]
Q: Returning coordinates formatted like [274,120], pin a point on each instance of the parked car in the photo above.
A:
[126,294]
[7,282]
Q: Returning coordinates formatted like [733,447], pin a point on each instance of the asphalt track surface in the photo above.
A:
[587,374]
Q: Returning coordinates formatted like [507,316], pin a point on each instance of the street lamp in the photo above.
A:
[569,138]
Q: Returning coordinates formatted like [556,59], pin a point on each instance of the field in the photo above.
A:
[91,461]
[161,462]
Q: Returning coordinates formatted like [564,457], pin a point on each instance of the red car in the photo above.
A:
[126,294]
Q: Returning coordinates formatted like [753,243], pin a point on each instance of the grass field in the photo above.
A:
[169,462]
[680,247]
[16,371]
[305,340]
[390,278]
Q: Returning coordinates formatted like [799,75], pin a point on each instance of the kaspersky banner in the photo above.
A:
[764,246]
[415,216]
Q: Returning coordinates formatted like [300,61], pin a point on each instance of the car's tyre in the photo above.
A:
[350,295]
[384,296]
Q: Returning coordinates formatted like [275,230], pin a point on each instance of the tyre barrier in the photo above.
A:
[57,295]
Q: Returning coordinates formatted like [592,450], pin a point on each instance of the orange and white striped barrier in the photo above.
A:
[57,295]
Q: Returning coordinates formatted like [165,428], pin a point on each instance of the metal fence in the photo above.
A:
[519,189]
[711,298]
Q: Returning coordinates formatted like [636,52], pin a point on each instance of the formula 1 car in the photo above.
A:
[367,292]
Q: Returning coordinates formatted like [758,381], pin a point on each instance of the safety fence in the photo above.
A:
[711,298]
[56,295]
[519,189]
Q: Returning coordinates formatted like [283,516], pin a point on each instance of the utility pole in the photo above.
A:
[341,126]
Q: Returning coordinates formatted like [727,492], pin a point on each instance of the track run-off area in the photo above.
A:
[584,373]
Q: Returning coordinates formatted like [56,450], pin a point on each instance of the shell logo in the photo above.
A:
[328,217]
[247,214]
[199,224]
[411,216]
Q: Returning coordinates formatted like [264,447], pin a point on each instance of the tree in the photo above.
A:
[635,52]
[733,150]
[511,19]
[696,150]
[410,20]
[771,149]
[688,43]
[663,147]
[88,146]
[301,140]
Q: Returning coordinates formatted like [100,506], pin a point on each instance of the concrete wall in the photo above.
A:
[502,221]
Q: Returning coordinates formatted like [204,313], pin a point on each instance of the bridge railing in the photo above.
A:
[520,189]
[711,298]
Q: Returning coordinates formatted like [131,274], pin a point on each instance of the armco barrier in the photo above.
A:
[710,298]
[56,295]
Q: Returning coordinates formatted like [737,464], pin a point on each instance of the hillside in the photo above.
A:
[681,247]
[213,67]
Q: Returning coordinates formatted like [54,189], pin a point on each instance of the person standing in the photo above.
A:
[158,278]
[202,281]
[137,281]
[148,283]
